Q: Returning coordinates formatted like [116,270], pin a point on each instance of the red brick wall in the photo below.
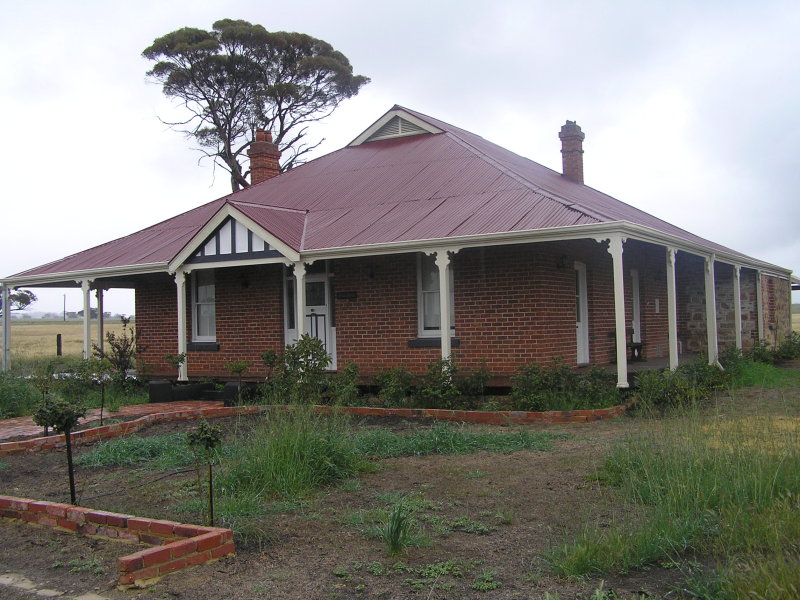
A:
[249,320]
[513,305]
[156,323]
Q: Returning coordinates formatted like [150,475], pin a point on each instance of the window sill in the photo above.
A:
[432,342]
[203,346]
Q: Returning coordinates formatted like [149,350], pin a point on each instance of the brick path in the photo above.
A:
[24,426]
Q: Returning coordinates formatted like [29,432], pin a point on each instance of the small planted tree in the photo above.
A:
[203,442]
[121,351]
[43,380]
[62,415]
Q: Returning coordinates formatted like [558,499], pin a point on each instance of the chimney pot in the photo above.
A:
[264,156]
[572,138]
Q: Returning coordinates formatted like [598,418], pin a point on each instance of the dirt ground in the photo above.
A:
[491,515]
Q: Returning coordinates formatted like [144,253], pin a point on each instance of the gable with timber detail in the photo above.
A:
[232,241]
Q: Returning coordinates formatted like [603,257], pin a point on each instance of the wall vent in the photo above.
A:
[396,127]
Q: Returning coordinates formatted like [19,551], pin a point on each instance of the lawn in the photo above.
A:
[530,512]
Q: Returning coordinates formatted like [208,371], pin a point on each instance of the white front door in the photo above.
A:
[581,315]
[318,313]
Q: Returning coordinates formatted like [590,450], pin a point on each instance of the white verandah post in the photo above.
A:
[615,245]
[760,306]
[443,264]
[711,311]
[672,309]
[300,297]
[100,322]
[87,314]
[737,305]
[180,285]
[6,330]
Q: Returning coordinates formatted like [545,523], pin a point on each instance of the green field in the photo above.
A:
[37,338]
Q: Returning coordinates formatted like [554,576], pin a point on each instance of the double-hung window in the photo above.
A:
[428,297]
[204,325]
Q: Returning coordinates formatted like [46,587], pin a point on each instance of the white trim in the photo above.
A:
[445,298]
[224,264]
[737,305]
[180,288]
[87,316]
[71,279]
[195,313]
[100,320]
[369,131]
[300,298]
[636,307]
[615,248]
[760,304]
[581,316]
[6,328]
[711,311]
[589,231]
[672,309]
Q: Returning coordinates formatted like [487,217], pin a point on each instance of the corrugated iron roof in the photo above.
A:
[422,187]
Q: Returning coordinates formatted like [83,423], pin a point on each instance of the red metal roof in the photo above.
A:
[422,187]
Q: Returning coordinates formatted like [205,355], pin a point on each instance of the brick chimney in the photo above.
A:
[264,155]
[571,138]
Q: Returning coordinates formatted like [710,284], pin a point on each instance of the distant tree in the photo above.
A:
[239,77]
[18,300]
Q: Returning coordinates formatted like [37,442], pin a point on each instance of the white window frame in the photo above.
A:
[196,337]
[421,331]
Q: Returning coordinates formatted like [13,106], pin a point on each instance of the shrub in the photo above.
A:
[438,386]
[789,349]
[559,387]
[343,387]
[17,396]
[761,352]
[395,387]
[472,386]
[299,375]
[688,385]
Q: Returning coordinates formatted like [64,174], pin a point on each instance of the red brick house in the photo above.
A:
[417,223]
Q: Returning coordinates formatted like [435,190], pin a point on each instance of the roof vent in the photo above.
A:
[396,127]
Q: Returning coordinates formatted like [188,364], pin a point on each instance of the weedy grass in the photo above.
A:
[443,438]
[720,485]
[291,454]
[156,453]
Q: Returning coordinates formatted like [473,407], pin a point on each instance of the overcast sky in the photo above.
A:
[690,108]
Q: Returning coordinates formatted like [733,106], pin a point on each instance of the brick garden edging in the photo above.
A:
[489,417]
[175,545]
[89,436]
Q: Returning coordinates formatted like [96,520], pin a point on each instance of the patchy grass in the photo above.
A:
[727,487]
[750,373]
